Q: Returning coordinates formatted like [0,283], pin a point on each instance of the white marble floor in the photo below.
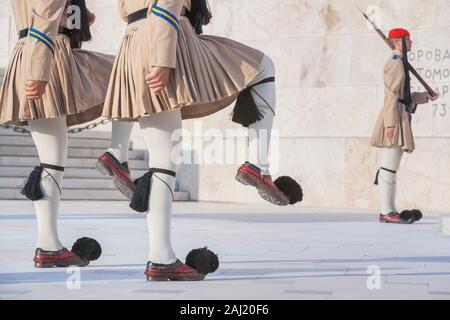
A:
[265,253]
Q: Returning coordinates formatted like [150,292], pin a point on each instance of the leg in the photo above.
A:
[397,161]
[120,140]
[159,185]
[157,131]
[50,138]
[44,188]
[114,162]
[387,180]
[264,96]
[259,101]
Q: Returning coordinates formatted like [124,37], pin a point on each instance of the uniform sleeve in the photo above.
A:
[123,10]
[393,82]
[420,98]
[46,17]
[164,32]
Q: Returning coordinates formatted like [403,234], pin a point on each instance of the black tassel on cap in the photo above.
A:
[246,112]
[87,249]
[290,188]
[32,188]
[204,261]
[141,196]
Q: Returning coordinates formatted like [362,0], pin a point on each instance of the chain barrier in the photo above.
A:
[70,131]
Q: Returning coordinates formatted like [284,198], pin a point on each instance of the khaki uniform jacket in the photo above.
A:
[77,79]
[208,72]
[163,34]
[394,113]
[45,20]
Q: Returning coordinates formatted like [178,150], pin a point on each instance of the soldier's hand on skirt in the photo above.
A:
[35,89]
[433,98]
[158,78]
[390,132]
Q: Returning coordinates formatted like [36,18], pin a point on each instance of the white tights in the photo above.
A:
[387,181]
[157,131]
[50,138]
[120,140]
[260,132]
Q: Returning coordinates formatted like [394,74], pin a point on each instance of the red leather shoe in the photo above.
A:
[392,217]
[108,164]
[57,259]
[174,272]
[250,175]
[270,192]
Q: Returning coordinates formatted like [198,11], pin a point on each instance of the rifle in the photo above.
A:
[410,67]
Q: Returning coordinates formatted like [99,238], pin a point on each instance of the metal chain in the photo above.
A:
[89,126]
[74,130]
[15,129]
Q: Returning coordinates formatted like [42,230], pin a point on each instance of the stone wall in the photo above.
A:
[330,90]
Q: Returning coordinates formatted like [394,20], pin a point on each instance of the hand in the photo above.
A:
[91,18]
[433,98]
[158,79]
[390,132]
[35,89]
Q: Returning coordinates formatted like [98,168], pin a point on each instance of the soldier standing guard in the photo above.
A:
[393,131]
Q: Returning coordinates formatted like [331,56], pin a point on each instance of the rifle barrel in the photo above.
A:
[386,39]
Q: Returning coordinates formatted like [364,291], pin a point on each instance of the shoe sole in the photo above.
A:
[250,180]
[174,278]
[272,199]
[50,265]
[391,222]
[120,185]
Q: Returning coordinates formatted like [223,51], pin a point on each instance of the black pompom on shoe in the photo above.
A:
[290,188]
[406,216]
[411,216]
[204,261]
[87,249]
[417,215]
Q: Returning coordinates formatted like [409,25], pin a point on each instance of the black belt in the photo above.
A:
[137,15]
[62,30]
[23,33]
[140,15]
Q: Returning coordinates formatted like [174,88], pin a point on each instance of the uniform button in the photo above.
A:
[134,28]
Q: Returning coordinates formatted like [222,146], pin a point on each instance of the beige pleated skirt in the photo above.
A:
[76,89]
[403,135]
[210,73]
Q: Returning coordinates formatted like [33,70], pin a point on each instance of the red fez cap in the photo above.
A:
[398,33]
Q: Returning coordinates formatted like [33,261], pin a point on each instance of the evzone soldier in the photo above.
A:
[393,131]
[49,86]
[166,72]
